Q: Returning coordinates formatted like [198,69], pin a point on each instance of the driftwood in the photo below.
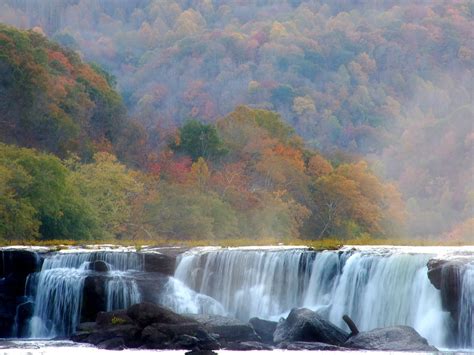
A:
[350,323]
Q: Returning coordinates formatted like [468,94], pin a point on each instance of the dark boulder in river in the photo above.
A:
[227,329]
[305,345]
[145,325]
[305,325]
[147,313]
[446,276]
[399,338]
[264,329]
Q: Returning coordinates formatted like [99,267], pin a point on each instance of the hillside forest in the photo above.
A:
[217,120]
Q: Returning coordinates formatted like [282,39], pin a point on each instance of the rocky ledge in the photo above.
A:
[150,326]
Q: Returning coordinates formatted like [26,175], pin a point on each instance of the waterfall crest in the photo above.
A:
[60,286]
[375,287]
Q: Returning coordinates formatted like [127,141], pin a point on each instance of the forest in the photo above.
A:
[222,119]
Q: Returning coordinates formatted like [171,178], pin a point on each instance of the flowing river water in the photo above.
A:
[376,286]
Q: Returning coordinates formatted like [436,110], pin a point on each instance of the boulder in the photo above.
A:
[264,329]
[178,336]
[228,329]
[112,344]
[247,346]
[93,297]
[129,333]
[305,325]
[147,313]
[398,338]
[24,312]
[305,345]
[118,317]
[158,262]
[15,266]
[446,276]
[99,266]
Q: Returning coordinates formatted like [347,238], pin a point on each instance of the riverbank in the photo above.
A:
[322,244]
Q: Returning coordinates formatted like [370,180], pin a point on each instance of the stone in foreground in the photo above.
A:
[399,338]
[305,325]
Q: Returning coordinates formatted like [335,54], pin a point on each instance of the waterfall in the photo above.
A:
[376,287]
[181,299]
[121,291]
[466,314]
[60,286]
[248,283]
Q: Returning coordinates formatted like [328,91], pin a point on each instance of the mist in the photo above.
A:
[388,82]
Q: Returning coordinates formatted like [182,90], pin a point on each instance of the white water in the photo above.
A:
[182,299]
[376,287]
[60,284]
[248,283]
[466,314]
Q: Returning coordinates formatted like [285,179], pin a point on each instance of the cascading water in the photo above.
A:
[377,287]
[466,314]
[248,283]
[60,283]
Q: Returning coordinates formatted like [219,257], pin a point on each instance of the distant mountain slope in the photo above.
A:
[51,100]
[366,77]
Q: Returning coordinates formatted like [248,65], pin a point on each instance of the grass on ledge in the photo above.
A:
[323,244]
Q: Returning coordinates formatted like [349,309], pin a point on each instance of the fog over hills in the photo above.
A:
[390,81]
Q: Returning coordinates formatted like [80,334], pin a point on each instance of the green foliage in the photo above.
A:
[182,212]
[108,188]
[197,139]
[38,199]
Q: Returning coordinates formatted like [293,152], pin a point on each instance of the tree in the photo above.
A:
[197,139]
[109,188]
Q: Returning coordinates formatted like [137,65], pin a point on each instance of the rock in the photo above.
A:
[247,346]
[445,275]
[129,333]
[112,344]
[228,329]
[23,315]
[15,266]
[86,327]
[118,317]
[146,313]
[93,297]
[305,325]
[399,338]
[157,262]
[178,336]
[264,329]
[99,266]
[305,345]
[201,352]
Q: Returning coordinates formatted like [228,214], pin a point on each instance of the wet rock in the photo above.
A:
[94,297]
[178,336]
[201,352]
[247,346]
[446,276]
[146,313]
[399,338]
[15,266]
[228,329]
[128,333]
[23,316]
[305,325]
[304,345]
[264,329]
[112,344]
[86,327]
[99,266]
[113,318]
[158,262]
